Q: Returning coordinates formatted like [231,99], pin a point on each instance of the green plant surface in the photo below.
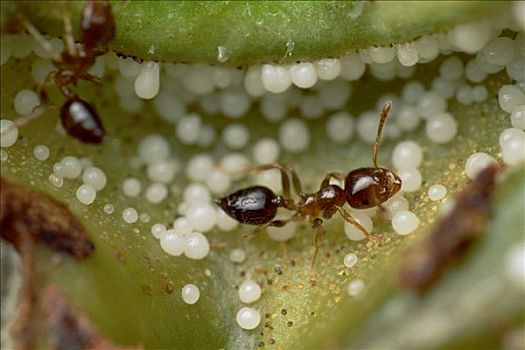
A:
[258,31]
[130,288]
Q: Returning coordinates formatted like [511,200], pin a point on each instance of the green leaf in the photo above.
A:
[130,289]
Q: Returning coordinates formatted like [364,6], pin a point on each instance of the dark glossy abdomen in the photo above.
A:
[81,121]
[254,205]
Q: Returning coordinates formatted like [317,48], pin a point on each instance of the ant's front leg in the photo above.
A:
[350,219]
[46,45]
[68,35]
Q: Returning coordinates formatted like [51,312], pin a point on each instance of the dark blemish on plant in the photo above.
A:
[452,235]
[67,328]
[289,323]
[272,341]
[284,311]
[278,269]
[46,221]
[261,344]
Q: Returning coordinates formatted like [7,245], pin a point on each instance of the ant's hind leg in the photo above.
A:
[46,45]
[285,181]
[318,225]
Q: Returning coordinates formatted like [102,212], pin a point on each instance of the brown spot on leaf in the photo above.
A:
[68,329]
[451,235]
[45,220]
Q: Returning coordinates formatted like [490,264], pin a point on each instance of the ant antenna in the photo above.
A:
[384,115]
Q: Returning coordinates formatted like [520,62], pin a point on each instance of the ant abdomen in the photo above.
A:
[255,205]
[97,25]
[81,120]
[369,187]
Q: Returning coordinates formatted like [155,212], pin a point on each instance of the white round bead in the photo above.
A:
[201,216]
[130,215]
[294,135]
[152,148]
[395,204]
[437,192]
[25,101]
[407,154]
[225,222]
[173,242]
[8,133]
[470,37]
[407,54]
[517,117]
[266,151]
[162,170]
[95,177]
[182,225]
[190,294]
[86,194]
[236,136]
[355,287]
[196,193]
[248,318]
[354,233]
[408,118]
[147,83]
[451,68]
[477,162]
[328,68]
[405,222]
[237,255]
[188,129]
[410,179]
[131,187]
[381,54]
[340,127]
[303,74]
[510,96]
[275,78]
[199,166]
[441,127]
[158,230]
[499,51]
[350,260]
[352,66]
[197,246]
[40,152]
[218,182]
[249,291]
[252,81]
[234,102]
[156,192]
[72,167]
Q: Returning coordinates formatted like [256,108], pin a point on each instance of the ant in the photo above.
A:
[97,29]
[363,188]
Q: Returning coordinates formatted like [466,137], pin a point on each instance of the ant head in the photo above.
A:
[369,187]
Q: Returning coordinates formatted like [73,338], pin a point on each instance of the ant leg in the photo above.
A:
[296,181]
[46,45]
[285,181]
[335,175]
[273,223]
[92,78]
[68,29]
[350,219]
[318,225]
[24,119]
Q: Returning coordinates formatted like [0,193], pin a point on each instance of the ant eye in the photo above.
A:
[365,202]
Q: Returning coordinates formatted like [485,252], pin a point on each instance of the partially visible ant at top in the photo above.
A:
[96,31]
[363,188]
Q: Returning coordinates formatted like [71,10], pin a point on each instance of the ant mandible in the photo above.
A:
[97,29]
[363,188]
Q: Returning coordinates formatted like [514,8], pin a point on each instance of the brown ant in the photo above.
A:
[363,188]
[97,29]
